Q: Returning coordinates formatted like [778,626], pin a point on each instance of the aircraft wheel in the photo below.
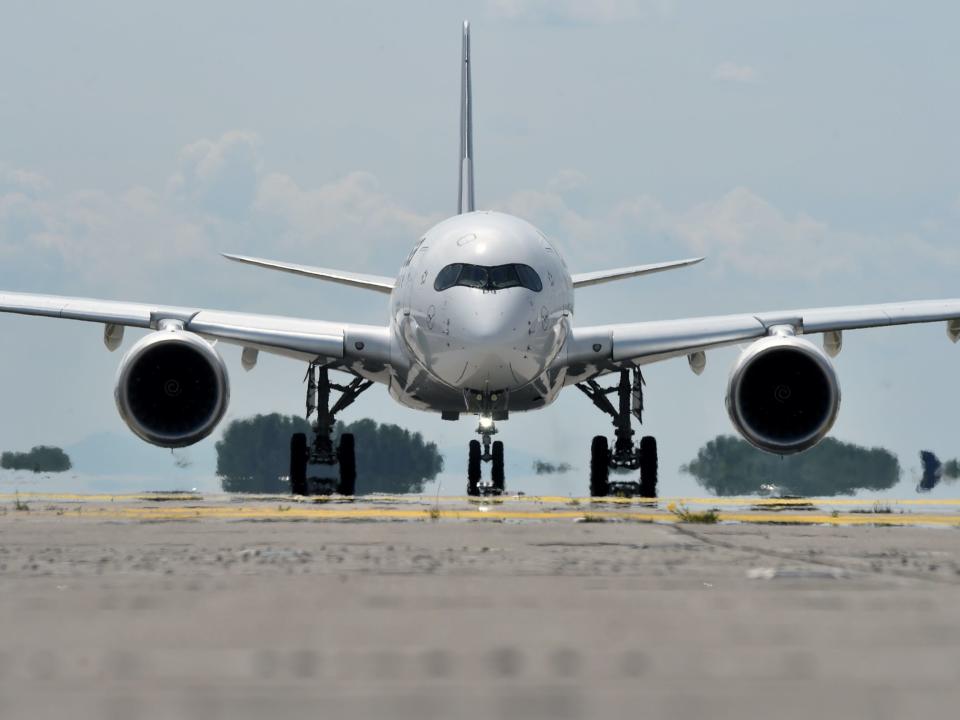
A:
[649,466]
[473,469]
[347,459]
[599,467]
[298,464]
[497,475]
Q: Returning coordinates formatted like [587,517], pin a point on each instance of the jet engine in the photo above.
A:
[172,388]
[783,395]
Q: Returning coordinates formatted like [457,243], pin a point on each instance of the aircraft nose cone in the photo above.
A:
[488,340]
[487,324]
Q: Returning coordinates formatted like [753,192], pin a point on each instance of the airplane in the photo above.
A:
[481,324]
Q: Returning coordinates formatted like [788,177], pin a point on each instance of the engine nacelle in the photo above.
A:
[172,388]
[783,395]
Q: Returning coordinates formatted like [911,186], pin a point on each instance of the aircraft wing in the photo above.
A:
[647,342]
[291,337]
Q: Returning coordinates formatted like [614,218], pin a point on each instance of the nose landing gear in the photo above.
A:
[305,460]
[492,452]
[624,456]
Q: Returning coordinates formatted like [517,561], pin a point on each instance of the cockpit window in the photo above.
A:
[498,277]
[529,278]
[472,276]
[447,277]
[503,276]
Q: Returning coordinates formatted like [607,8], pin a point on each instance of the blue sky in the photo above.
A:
[809,149]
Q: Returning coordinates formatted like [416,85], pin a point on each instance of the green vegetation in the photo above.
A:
[391,459]
[878,508]
[729,466]
[255,452]
[702,517]
[42,458]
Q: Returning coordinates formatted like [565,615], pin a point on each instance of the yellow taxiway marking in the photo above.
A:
[488,512]
[174,497]
[736,501]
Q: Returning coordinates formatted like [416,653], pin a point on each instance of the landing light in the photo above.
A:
[486,421]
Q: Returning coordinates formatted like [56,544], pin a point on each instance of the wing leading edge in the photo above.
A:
[291,337]
[647,342]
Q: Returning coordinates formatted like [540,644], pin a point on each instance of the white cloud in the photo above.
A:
[733,72]
[218,199]
[578,12]
[567,181]
[740,232]
[129,238]
[745,232]
[22,181]
[570,231]
[350,217]
[221,175]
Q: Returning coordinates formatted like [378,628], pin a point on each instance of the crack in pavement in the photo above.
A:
[871,570]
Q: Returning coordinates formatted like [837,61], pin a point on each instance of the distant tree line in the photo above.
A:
[391,459]
[42,458]
[730,466]
[254,454]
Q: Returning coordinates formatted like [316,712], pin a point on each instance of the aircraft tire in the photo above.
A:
[497,475]
[298,464]
[347,459]
[473,469]
[649,466]
[599,467]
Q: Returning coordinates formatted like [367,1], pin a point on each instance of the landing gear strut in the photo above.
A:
[321,453]
[624,455]
[492,453]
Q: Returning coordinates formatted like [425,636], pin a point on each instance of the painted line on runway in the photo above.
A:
[487,513]
[510,499]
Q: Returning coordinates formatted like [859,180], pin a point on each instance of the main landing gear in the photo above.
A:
[624,456]
[492,452]
[321,455]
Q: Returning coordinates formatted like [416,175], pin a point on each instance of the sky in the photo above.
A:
[807,149]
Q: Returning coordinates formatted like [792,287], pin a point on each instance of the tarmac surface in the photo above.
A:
[172,606]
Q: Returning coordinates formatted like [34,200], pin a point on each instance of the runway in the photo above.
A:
[195,606]
[193,506]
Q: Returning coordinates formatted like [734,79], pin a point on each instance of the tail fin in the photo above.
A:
[466,128]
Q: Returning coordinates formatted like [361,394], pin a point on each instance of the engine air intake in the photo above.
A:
[172,388]
[783,395]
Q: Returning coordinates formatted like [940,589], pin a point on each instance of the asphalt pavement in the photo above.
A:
[216,607]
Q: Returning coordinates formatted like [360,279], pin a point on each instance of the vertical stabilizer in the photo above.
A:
[465,201]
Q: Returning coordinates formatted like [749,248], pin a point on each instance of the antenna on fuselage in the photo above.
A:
[466,128]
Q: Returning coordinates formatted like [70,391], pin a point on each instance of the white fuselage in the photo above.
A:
[492,335]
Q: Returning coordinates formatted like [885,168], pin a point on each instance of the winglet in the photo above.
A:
[466,196]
